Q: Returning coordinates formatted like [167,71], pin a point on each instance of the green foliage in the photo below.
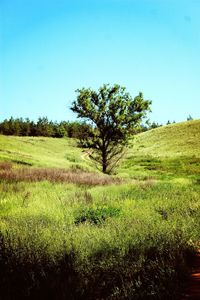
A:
[114,115]
[189,118]
[96,215]
[43,127]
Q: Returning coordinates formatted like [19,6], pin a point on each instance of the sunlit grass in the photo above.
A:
[167,152]
[75,240]
[159,217]
[175,140]
[42,152]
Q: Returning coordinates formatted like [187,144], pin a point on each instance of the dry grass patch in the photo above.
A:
[146,184]
[5,166]
[55,175]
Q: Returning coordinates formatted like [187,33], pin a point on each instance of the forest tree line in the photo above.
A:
[45,127]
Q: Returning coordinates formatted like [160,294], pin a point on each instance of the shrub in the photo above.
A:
[96,215]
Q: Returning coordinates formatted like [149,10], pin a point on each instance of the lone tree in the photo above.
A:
[114,115]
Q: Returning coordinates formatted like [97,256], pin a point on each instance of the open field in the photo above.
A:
[68,232]
[166,152]
[41,152]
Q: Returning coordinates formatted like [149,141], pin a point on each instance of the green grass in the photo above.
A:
[160,153]
[141,248]
[171,141]
[167,152]
[125,240]
[42,152]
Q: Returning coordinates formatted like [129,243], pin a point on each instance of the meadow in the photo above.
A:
[69,232]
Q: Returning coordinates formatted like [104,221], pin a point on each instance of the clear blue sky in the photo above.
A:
[49,48]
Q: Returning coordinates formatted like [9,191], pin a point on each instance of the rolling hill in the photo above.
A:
[68,234]
[181,139]
[164,152]
[41,152]
[159,152]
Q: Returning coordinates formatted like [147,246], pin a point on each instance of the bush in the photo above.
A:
[97,215]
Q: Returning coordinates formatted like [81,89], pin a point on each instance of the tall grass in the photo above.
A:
[74,175]
[139,253]
[69,233]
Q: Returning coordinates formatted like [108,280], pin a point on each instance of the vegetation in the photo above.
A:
[43,127]
[167,152]
[69,239]
[52,247]
[42,152]
[53,175]
[114,115]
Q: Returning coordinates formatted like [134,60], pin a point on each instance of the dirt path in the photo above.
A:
[86,154]
[193,290]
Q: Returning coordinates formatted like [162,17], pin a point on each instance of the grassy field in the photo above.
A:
[68,232]
[41,152]
[166,152]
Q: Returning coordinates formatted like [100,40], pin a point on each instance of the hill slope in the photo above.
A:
[172,150]
[41,151]
[159,152]
[181,139]
[52,225]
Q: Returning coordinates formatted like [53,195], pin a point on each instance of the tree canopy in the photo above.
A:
[43,127]
[114,115]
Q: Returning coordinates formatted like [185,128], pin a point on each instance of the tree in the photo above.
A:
[114,114]
[189,118]
[59,130]
[24,127]
[44,127]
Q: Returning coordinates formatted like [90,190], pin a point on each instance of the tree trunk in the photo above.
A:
[104,167]
[104,158]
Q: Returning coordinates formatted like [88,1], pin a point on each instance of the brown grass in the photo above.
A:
[148,183]
[6,166]
[55,175]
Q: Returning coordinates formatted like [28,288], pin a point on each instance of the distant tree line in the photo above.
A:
[72,129]
[43,127]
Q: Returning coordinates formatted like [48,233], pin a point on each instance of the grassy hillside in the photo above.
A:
[167,152]
[175,140]
[78,235]
[160,152]
[41,152]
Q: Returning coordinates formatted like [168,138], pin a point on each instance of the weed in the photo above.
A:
[96,215]
[25,198]
[163,213]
